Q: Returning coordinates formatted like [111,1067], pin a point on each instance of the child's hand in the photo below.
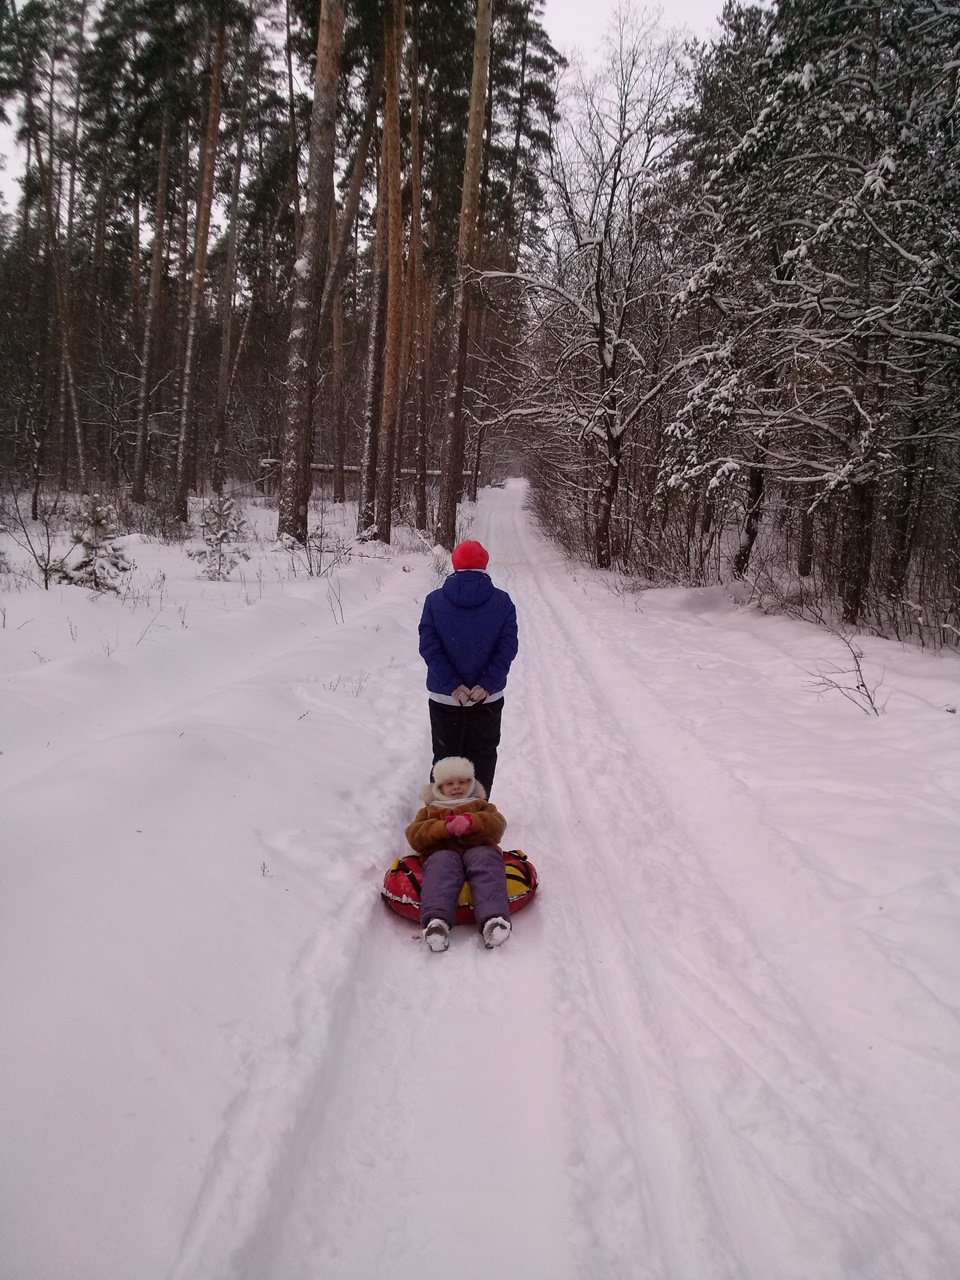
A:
[458,824]
[462,695]
[478,693]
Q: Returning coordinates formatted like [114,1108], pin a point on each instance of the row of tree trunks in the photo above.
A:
[56,262]
[158,410]
[397,324]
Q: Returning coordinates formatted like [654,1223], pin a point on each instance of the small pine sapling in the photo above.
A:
[102,562]
[223,528]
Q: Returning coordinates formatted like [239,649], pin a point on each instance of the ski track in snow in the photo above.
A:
[688,1123]
[754,1135]
[637,1086]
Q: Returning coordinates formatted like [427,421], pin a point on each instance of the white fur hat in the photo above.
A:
[451,767]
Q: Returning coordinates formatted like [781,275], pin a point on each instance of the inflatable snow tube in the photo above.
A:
[401,886]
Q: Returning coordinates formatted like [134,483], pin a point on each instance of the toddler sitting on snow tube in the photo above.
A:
[458,873]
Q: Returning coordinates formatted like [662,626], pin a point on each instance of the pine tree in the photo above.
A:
[830,272]
[223,528]
[102,562]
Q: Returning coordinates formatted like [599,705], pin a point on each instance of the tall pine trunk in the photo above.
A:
[183,246]
[858,533]
[348,215]
[229,280]
[754,513]
[416,284]
[187,442]
[297,439]
[806,548]
[452,449]
[331,302]
[294,141]
[606,496]
[151,320]
[393,36]
[337,375]
[366,516]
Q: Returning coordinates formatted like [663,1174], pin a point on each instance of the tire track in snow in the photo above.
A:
[266,1129]
[418,1132]
[432,1145]
[633,1147]
[735,1109]
[396,1085]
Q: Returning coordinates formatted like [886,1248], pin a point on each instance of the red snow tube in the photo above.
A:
[401,886]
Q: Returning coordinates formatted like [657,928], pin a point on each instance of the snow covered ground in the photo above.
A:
[722,1044]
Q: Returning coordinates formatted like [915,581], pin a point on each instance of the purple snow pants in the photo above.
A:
[444,873]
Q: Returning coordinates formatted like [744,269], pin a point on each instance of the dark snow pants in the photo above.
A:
[444,873]
[473,732]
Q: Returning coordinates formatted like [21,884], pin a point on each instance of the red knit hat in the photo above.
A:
[470,555]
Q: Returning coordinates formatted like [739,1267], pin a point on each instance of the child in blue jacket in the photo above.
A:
[468,639]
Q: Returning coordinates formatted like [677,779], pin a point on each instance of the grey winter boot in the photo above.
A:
[437,935]
[496,931]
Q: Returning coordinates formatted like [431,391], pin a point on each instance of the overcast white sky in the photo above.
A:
[581,23]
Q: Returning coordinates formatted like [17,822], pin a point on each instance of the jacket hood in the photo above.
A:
[431,795]
[468,588]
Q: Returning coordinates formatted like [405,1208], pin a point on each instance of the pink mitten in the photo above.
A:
[458,824]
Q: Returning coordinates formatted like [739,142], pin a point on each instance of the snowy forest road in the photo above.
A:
[638,1086]
[723,1042]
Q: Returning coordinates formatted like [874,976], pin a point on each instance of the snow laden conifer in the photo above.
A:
[223,528]
[102,564]
[825,149]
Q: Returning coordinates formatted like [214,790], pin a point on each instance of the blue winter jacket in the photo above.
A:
[468,634]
